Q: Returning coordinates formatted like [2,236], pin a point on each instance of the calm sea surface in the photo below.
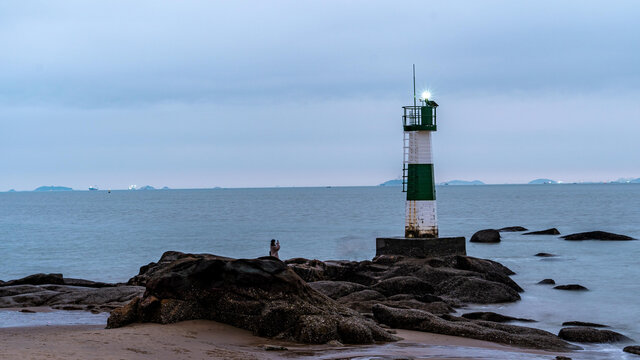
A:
[107,237]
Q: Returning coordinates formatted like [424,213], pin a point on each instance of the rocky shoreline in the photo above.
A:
[310,301]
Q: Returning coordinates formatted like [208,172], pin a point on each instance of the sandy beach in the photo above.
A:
[211,340]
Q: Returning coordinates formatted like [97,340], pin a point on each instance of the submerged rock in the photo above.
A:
[547,282]
[543,254]
[634,349]
[491,316]
[552,231]
[486,236]
[571,287]
[512,229]
[590,335]
[597,235]
[411,319]
[263,295]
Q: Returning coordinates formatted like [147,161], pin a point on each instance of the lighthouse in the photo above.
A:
[421,236]
[419,124]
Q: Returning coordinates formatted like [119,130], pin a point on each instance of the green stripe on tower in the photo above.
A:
[420,183]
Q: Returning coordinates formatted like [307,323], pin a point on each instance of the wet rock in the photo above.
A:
[543,254]
[552,231]
[634,349]
[27,311]
[597,235]
[590,335]
[571,287]
[475,290]
[262,295]
[486,236]
[491,316]
[547,282]
[512,229]
[336,289]
[562,358]
[476,329]
[581,323]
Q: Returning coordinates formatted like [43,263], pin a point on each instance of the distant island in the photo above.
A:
[542,181]
[146,187]
[462,182]
[396,182]
[53,188]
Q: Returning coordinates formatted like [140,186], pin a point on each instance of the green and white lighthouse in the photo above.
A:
[419,123]
[421,238]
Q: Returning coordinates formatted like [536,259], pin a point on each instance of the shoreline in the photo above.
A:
[195,339]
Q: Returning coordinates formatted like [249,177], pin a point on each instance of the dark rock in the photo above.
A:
[562,358]
[597,235]
[336,289]
[359,296]
[475,290]
[486,236]
[573,287]
[512,229]
[403,285]
[590,335]
[581,323]
[547,282]
[27,311]
[274,348]
[543,254]
[67,294]
[262,295]
[36,279]
[476,329]
[491,316]
[552,231]
[634,349]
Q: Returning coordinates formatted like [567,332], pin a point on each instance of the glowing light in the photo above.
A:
[425,95]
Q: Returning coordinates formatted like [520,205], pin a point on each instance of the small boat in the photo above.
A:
[93,188]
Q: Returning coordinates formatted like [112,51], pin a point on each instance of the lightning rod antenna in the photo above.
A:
[414,86]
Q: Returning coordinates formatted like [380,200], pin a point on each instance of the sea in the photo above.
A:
[105,236]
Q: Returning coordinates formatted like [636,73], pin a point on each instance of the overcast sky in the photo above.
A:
[300,93]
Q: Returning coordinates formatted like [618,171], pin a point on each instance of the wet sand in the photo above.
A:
[201,339]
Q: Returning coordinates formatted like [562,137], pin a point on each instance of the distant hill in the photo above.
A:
[542,181]
[462,182]
[53,188]
[397,182]
[147,187]
[165,188]
[12,190]
[628,181]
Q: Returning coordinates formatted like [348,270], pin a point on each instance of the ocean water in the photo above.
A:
[107,237]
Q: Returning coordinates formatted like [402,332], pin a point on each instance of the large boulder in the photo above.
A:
[403,285]
[262,295]
[597,235]
[591,335]
[476,290]
[583,324]
[412,319]
[486,236]
[552,231]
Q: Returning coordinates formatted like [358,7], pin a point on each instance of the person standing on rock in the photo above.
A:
[275,247]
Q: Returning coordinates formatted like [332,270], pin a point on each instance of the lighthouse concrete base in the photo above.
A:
[421,247]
